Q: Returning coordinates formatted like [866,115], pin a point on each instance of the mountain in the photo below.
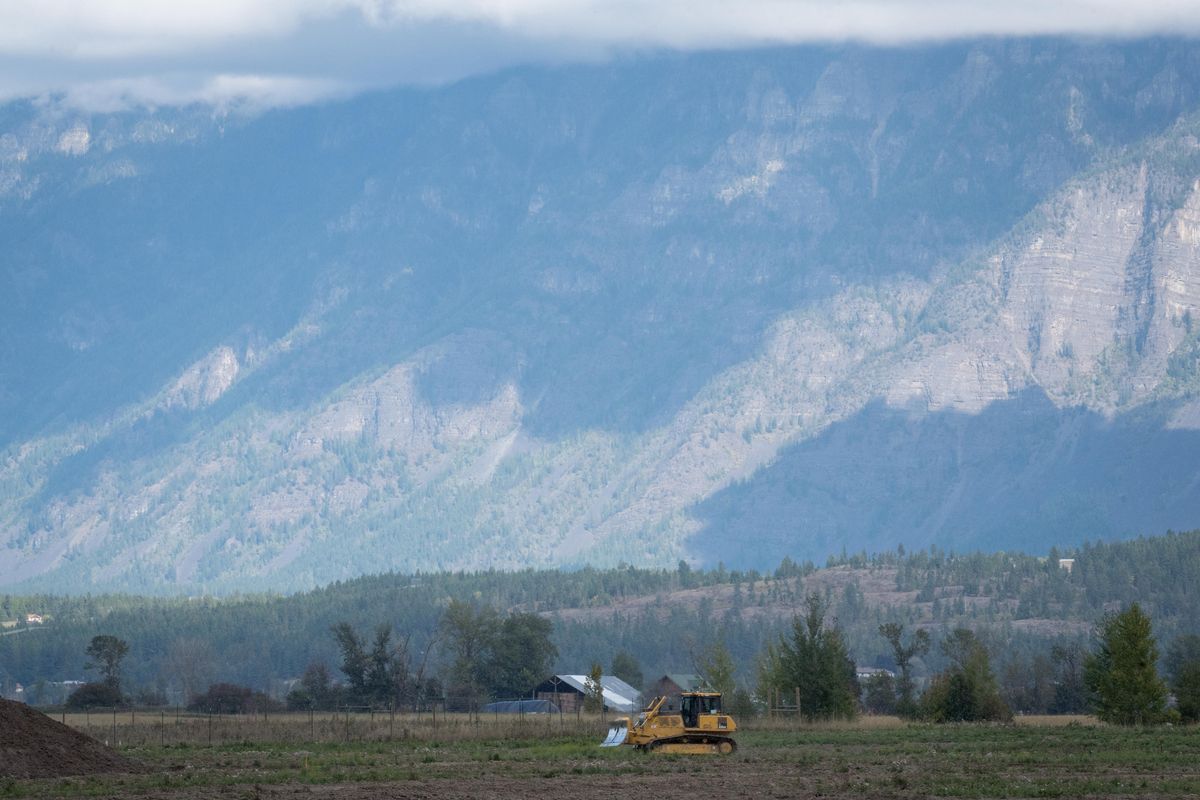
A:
[718,307]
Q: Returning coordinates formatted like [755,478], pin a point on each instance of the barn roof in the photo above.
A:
[617,693]
[685,680]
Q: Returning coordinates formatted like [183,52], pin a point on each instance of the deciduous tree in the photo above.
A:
[106,653]
[966,691]
[469,634]
[521,656]
[918,645]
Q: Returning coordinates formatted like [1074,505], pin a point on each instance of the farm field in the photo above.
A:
[462,758]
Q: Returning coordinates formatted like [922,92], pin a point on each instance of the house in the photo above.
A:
[1066,563]
[866,673]
[672,685]
[33,619]
[568,693]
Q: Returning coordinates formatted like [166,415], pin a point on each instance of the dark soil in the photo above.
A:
[34,746]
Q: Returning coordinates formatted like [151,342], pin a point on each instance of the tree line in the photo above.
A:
[178,647]
[809,668]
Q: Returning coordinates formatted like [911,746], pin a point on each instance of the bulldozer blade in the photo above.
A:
[616,736]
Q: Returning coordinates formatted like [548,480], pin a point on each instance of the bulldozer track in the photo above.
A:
[693,743]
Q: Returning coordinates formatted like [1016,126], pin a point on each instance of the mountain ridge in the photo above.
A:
[488,352]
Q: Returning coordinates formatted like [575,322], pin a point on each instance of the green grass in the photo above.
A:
[969,761]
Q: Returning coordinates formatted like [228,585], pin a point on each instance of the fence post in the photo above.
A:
[114,735]
[799,716]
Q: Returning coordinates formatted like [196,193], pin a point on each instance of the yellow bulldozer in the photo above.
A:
[699,726]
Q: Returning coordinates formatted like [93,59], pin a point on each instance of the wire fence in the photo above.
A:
[470,720]
[130,727]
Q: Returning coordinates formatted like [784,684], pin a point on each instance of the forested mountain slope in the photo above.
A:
[723,306]
[1019,604]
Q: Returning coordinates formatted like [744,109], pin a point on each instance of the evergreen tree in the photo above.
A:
[1120,673]
[593,699]
[627,668]
[813,663]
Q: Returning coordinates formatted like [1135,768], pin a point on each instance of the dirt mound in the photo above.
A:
[34,746]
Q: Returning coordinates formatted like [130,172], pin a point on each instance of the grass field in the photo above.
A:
[505,758]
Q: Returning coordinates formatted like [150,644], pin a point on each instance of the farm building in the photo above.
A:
[865,673]
[520,707]
[672,685]
[568,692]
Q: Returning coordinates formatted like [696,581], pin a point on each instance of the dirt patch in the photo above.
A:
[34,746]
[774,782]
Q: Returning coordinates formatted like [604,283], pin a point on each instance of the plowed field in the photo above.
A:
[833,762]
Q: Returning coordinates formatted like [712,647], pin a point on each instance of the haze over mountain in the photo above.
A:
[715,306]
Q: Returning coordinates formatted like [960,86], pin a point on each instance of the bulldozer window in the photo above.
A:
[692,707]
[689,709]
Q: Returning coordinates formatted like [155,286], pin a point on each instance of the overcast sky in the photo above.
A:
[110,53]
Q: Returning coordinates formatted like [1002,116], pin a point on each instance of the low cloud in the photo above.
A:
[111,53]
[223,92]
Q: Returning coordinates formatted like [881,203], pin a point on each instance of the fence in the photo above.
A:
[126,727]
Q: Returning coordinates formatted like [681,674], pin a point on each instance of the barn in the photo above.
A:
[568,693]
[672,685]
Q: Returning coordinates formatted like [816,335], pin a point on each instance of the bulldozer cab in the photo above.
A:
[693,704]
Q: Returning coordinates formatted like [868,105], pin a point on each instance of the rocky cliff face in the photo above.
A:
[735,307]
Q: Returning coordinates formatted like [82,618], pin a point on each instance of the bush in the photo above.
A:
[229,698]
[95,695]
